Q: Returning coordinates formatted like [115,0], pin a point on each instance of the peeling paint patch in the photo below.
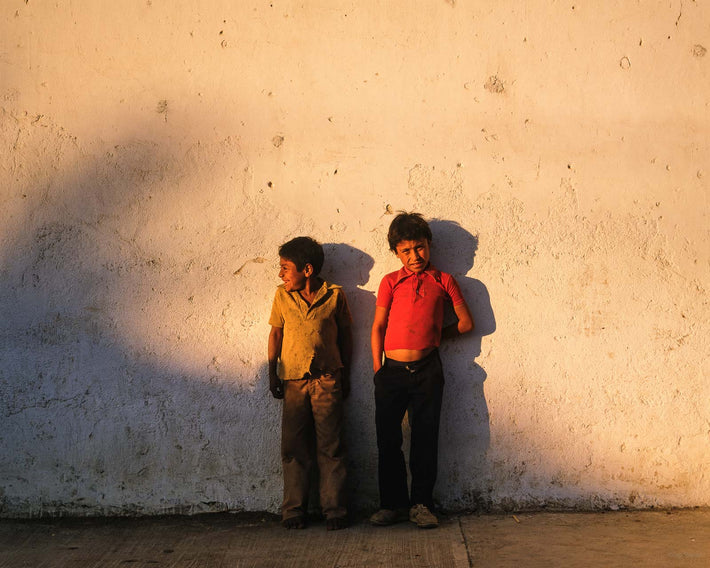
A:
[494,85]
[162,108]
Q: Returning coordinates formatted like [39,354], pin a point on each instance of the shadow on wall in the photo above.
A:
[465,429]
[133,338]
[350,267]
[96,420]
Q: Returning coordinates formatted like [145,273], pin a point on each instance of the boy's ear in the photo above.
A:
[308,269]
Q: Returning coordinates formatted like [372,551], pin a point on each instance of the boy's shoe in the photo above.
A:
[297,523]
[386,517]
[423,517]
[336,523]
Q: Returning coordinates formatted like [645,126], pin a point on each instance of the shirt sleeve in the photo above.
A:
[343,316]
[384,293]
[453,290]
[276,319]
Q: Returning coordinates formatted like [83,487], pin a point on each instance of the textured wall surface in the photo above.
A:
[153,155]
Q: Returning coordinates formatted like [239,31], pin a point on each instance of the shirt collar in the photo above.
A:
[404,273]
[322,291]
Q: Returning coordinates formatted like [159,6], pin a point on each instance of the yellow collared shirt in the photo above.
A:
[310,333]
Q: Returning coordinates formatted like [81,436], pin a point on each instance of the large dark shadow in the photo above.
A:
[465,429]
[96,420]
[350,267]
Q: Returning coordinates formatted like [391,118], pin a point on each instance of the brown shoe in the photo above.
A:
[386,517]
[336,524]
[423,517]
[297,523]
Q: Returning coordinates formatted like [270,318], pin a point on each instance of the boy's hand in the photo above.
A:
[276,337]
[276,386]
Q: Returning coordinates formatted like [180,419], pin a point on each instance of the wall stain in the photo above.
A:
[494,85]
[162,108]
[257,260]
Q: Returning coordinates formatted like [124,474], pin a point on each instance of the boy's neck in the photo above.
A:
[310,290]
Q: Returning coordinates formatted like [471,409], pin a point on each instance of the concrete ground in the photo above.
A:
[648,538]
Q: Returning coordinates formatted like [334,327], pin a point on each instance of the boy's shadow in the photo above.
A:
[350,268]
[464,435]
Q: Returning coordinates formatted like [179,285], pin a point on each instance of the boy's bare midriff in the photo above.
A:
[408,355]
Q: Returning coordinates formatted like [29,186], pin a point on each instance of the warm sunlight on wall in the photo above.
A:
[155,156]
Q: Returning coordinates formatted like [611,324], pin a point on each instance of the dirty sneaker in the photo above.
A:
[385,517]
[423,517]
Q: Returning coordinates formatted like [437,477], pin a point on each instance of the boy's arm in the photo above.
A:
[377,337]
[345,344]
[276,337]
[463,325]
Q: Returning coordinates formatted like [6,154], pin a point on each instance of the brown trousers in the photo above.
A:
[313,407]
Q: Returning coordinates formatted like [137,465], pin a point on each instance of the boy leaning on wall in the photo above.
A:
[311,338]
[407,329]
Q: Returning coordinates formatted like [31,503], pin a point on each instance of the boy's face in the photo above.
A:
[293,279]
[413,254]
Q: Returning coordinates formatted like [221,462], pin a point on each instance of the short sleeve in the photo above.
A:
[384,293]
[276,319]
[343,315]
[453,290]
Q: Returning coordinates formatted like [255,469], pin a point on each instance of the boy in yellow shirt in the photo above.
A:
[311,342]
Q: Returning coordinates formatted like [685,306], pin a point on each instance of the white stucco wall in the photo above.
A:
[155,154]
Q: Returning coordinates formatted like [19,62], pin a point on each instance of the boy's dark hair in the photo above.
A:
[407,227]
[302,251]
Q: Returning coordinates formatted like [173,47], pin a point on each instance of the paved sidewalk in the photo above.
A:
[649,538]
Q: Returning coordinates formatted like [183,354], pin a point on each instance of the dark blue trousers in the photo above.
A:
[417,387]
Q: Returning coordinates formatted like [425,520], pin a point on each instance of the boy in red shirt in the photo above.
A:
[407,329]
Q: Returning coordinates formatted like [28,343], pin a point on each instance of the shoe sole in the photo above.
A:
[426,526]
[423,525]
[387,523]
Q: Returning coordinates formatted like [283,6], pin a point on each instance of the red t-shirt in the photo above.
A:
[416,306]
